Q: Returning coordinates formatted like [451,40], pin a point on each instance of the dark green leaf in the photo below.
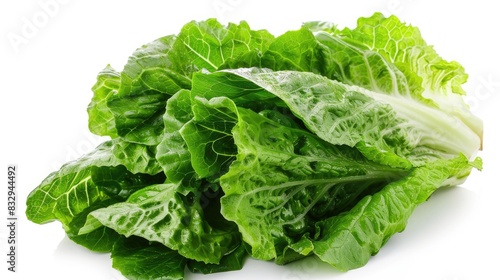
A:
[230,262]
[139,259]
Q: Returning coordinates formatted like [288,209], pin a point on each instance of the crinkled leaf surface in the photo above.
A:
[147,81]
[393,130]
[208,136]
[348,241]
[212,46]
[285,179]
[137,158]
[429,77]
[93,181]
[161,213]
[172,152]
[70,190]
[101,119]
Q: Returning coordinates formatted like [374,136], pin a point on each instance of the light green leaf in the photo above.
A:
[393,130]
[347,241]
[147,81]
[294,50]
[429,76]
[101,119]
[212,46]
[404,46]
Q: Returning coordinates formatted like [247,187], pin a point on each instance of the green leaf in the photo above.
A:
[285,179]
[296,251]
[354,64]
[93,181]
[172,152]
[294,50]
[137,158]
[147,81]
[208,136]
[233,261]
[392,130]
[348,240]
[139,259]
[212,46]
[404,46]
[429,76]
[69,191]
[119,183]
[100,240]
[161,213]
[337,113]
[101,119]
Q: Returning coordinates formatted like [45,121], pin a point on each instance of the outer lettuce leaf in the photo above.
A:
[138,259]
[348,240]
[355,64]
[95,180]
[161,213]
[230,262]
[285,179]
[70,190]
[101,119]
[147,81]
[100,240]
[392,130]
[404,46]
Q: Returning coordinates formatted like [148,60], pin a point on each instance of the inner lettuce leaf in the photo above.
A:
[208,136]
[172,152]
[427,74]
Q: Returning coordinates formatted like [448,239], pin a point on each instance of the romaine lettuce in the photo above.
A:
[227,142]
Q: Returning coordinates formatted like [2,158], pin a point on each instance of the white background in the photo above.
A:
[51,54]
